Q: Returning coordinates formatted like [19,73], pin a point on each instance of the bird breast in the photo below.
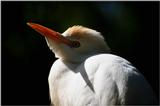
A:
[100,80]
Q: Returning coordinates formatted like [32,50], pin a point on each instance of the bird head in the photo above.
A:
[75,44]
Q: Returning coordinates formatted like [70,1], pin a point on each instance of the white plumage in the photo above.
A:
[86,74]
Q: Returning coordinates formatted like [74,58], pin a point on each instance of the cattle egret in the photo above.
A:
[86,74]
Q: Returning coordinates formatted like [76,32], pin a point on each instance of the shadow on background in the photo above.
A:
[130,28]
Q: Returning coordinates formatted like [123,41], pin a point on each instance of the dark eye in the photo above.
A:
[75,44]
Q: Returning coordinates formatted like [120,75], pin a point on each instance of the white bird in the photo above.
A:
[86,74]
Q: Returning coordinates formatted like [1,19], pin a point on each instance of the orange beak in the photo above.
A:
[50,34]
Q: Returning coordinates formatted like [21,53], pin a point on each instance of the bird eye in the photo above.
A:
[75,44]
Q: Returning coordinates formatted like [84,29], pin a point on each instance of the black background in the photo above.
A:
[26,59]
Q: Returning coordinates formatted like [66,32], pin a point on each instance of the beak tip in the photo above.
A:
[28,23]
[31,24]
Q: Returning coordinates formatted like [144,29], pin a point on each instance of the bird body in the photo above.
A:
[86,74]
[106,81]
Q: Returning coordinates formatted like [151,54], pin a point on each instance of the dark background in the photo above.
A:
[130,28]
